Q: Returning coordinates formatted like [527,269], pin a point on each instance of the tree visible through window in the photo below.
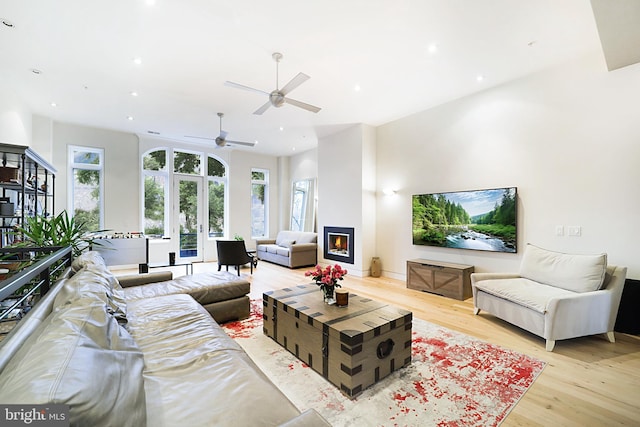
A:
[155,193]
[86,171]
[259,202]
[216,188]
[156,177]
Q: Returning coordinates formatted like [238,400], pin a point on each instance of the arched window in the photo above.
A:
[157,177]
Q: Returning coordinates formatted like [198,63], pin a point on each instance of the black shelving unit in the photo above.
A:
[27,183]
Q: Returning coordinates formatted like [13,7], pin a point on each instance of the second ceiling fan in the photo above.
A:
[221,139]
[278,97]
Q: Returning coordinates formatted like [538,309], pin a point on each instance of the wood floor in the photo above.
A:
[587,381]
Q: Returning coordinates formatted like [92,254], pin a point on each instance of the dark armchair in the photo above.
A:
[233,252]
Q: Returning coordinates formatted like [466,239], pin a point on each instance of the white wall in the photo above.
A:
[240,193]
[122,171]
[42,134]
[568,138]
[367,242]
[302,166]
[15,119]
[346,182]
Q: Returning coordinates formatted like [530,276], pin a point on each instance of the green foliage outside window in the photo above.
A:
[155,161]
[186,163]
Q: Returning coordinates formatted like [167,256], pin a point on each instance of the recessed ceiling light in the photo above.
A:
[137,61]
[256,141]
[281,128]
[432,48]
[130,118]
[36,71]
[293,149]
[7,23]
[357,88]
[479,77]
[151,2]
[53,104]
[134,93]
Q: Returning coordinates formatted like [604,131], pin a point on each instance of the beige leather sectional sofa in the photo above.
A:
[290,248]
[144,357]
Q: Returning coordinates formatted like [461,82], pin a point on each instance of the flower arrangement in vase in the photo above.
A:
[327,278]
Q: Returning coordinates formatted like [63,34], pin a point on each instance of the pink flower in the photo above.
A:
[327,276]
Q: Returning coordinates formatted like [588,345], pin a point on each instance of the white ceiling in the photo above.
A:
[189,48]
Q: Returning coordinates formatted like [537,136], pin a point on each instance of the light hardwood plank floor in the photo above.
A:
[587,381]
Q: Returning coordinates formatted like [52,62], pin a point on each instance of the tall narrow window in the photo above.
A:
[299,205]
[156,194]
[217,182]
[86,186]
[259,203]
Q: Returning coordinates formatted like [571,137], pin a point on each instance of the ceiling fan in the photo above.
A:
[278,97]
[221,140]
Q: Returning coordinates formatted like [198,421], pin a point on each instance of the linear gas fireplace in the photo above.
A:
[338,244]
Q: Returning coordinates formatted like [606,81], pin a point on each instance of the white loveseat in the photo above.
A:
[555,295]
[290,248]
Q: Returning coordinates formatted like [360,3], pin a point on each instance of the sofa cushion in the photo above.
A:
[282,251]
[80,356]
[297,236]
[195,374]
[93,284]
[577,273]
[525,292]
[273,249]
[206,288]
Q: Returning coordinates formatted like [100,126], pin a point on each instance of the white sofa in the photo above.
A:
[290,248]
[555,295]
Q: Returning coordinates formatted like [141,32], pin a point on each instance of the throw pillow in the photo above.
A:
[88,258]
[577,273]
[287,243]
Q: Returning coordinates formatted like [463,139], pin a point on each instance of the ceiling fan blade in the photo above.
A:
[199,137]
[247,144]
[304,105]
[243,87]
[294,83]
[263,108]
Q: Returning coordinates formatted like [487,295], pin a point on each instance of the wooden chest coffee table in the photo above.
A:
[353,346]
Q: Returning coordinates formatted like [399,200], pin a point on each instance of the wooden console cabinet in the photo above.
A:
[442,278]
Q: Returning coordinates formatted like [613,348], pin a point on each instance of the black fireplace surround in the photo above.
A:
[339,244]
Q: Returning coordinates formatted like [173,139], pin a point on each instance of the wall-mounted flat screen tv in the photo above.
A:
[484,220]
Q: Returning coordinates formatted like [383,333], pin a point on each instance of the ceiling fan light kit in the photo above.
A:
[278,97]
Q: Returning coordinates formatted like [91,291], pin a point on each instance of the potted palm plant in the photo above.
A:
[60,230]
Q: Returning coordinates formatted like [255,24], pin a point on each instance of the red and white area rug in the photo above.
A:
[453,380]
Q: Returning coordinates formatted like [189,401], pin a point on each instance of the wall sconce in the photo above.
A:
[388,192]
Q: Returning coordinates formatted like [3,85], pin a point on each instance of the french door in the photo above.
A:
[188,227]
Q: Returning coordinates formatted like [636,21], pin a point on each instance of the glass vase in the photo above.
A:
[329,294]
